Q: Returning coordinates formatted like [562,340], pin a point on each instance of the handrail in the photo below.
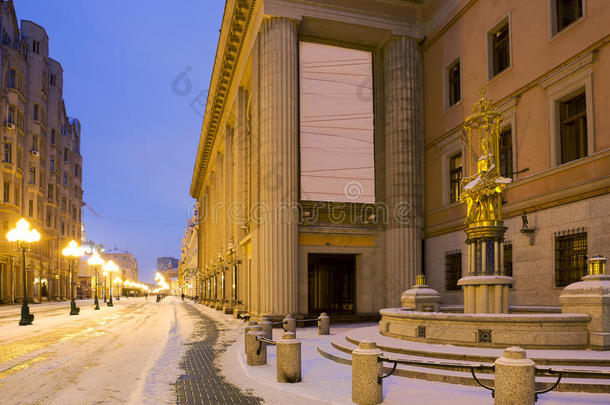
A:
[573,372]
[459,366]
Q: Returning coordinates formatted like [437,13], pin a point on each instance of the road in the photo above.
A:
[134,352]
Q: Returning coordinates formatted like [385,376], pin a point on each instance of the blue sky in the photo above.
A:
[122,62]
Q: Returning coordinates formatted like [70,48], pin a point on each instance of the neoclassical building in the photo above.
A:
[41,162]
[329,165]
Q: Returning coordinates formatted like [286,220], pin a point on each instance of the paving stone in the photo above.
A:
[201,382]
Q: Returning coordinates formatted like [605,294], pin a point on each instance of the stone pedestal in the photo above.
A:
[421,298]
[267,327]
[367,388]
[323,324]
[514,380]
[486,294]
[290,324]
[591,296]
[247,329]
[288,359]
[256,351]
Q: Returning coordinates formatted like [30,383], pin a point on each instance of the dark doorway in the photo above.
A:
[331,283]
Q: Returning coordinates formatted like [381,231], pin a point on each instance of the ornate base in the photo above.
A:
[486,294]
[421,298]
[26,317]
[74,310]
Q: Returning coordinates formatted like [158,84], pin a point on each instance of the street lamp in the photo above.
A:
[96,261]
[24,236]
[110,267]
[72,252]
[119,283]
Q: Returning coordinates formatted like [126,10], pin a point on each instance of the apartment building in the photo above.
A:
[42,164]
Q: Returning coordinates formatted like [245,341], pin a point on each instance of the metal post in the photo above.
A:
[110,304]
[74,310]
[26,317]
[97,303]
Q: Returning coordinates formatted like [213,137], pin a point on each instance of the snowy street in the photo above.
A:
[108,356]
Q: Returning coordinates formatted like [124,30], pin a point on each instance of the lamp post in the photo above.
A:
[72,252]
[118,282]
[96,261]
[24,236]
[110,267]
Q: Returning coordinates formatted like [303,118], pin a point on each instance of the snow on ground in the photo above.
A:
[126,354]
[327,382]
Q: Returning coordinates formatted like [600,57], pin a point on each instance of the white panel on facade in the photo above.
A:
[336,124]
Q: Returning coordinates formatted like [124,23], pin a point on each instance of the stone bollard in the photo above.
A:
[256,351]
[290,324]
[514,381]
[288,359]
[323,324]
[367,387]
[267,327]
[249,325]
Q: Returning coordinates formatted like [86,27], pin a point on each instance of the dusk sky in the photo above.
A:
[122,62]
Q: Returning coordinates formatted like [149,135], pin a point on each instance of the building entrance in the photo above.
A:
[331,283]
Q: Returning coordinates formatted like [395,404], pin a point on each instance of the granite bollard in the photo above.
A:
[288,359]
[290,324]
[267,327]
[323,324]
[256,351]
[249,325]
[367,387]
[514,381]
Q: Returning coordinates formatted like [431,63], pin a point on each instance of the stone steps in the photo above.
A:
[340,348]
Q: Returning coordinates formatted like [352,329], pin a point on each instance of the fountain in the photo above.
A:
[486,322]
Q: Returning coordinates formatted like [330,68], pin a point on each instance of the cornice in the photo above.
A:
[238,14]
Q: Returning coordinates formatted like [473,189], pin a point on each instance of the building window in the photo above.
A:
[36,113]
[52,163]
[63,203]
[76,170]
[65,178]
[453,270]
[17,194]
[500,49]
[573,128]
[63,229]
[31,208]
[35,46]
[52,136]
[12,78]
[52,79]
[570,258]
[66,154]
[50,192]
[7,191]
[19,158]
[506,153]
[566,12]
[35,143]
[455,177]
[8,153]
[11,115]
[508,260]
[32,175]
[454,83]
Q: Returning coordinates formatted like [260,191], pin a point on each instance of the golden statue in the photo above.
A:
[482,191]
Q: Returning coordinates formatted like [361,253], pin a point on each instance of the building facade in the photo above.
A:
[330,159]
[188,274]
[42,164]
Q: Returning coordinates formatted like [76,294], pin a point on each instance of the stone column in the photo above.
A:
[404,149]
[254,304]
[227,218]
[277,239]
[241,142]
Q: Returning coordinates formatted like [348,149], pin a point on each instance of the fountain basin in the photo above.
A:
[532,331]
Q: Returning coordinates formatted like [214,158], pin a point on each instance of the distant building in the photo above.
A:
[162,263]
[126,262]
[41,174]
[187,269]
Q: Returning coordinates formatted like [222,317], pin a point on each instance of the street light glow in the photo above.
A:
[95,260]
[22,233]
[73,250]
[110,266]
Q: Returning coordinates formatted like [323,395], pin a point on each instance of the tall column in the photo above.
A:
[240,141]
[404,149]
[278,244]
